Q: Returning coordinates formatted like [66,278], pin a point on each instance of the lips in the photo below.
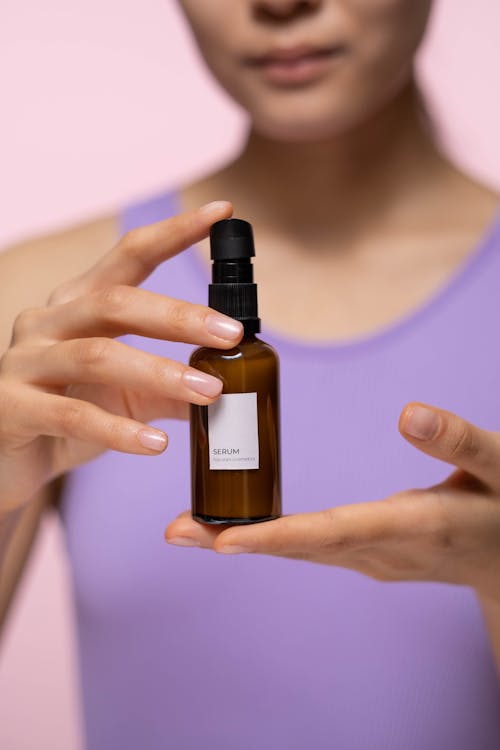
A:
[293,65]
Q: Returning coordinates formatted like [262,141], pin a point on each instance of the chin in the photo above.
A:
[302,129]
[305,116]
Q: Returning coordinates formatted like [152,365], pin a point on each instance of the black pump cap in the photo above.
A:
[232,290]
[231,239]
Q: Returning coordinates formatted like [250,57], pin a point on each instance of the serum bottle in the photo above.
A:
[235,442]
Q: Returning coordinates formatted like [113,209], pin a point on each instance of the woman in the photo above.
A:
[378,268]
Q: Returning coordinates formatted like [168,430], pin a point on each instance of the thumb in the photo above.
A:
[452,439]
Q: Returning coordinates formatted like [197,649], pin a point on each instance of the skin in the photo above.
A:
[63,365]
[447,533]
[303,168]
[69,391]
[346,189]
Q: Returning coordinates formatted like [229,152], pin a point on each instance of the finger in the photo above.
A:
[450,438]
[322,536]
[142,249]
[118,310]
[184,531]
[110,362]
[59,416]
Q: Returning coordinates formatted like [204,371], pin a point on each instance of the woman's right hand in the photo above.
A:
[69,391]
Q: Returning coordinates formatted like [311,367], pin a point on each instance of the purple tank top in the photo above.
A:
[186,649]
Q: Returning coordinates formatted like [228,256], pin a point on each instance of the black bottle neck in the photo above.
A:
[234,293]
[237,271]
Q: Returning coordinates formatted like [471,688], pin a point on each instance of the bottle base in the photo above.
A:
[217,521]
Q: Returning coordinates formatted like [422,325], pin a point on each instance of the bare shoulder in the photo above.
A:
[478,203]
[38,264]
[32,268]
[484,200]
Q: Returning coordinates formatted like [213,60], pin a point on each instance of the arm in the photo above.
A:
[68,390]
[17,532]
[29,271]
[491,614]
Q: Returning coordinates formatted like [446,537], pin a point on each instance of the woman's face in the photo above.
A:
[309,69]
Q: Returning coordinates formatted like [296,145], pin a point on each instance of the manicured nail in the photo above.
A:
[209,208]
[183,541]
[202,383]
[421,423]
[232,550]
[223,327]
[152,439]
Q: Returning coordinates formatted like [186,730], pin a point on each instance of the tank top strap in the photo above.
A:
[149,210]
[176,277]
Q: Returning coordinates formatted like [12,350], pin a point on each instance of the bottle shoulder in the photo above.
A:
[248,353]
[248,348]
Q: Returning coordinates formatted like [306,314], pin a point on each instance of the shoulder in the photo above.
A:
[52,257]
[473,204]
[73,247]
[31,268]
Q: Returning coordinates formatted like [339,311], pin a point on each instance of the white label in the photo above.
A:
[233,434]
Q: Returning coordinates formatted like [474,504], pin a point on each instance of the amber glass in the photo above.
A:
[238,496]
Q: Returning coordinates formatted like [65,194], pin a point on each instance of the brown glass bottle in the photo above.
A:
[238,495]
[235,442]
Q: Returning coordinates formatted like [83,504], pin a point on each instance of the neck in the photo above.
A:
[368,173]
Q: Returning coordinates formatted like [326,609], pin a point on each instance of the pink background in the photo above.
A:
[107,101]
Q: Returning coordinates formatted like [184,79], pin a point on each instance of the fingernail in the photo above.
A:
[209,208]
[223,327]
[232,550]
[183,541]
[152,439]
[421,423]
[202,383]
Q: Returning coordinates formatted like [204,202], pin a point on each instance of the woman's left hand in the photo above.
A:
[449,532]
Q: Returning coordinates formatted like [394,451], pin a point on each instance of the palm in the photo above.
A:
[449,532]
